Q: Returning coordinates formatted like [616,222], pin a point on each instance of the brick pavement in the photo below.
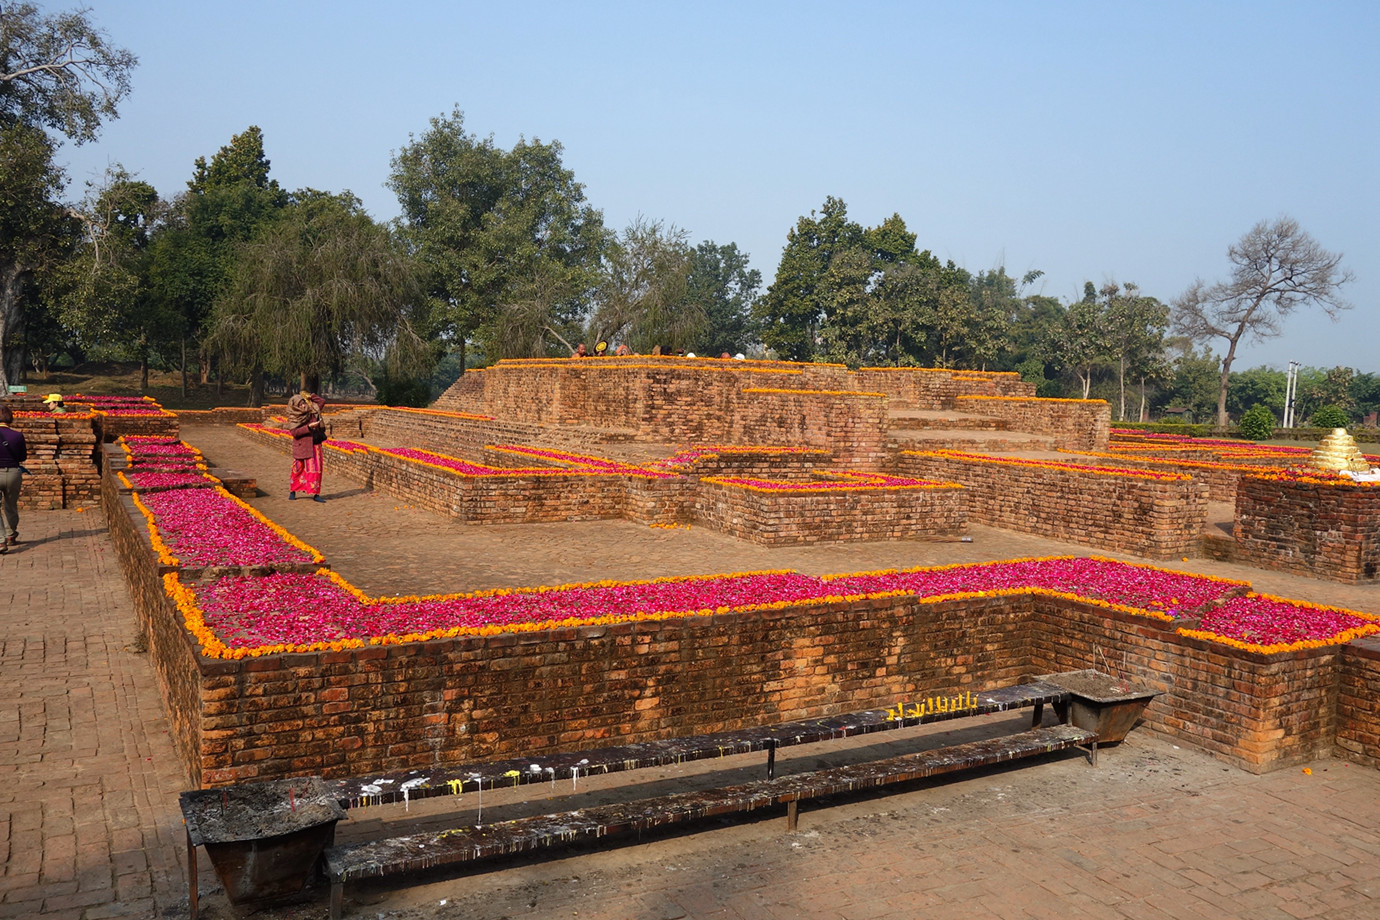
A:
[89,826]
[88,771]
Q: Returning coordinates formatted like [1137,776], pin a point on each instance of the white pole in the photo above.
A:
[1289,398]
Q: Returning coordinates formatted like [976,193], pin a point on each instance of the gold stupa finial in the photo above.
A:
[1338,451]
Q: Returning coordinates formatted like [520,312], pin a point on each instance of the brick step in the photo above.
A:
[975,441]
[931,419]
[417,852]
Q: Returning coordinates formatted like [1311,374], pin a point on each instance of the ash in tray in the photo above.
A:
[253,811]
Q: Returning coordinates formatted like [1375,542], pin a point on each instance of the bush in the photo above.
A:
[1330,417]
[1258,423]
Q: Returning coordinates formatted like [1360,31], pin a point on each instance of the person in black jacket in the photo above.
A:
[13,453]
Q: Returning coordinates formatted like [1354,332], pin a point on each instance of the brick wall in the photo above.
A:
[172,650]
[1076,424]
[649,399]
[62,459]
[1318,530]
[114,427]
[450,701]
[1358,715]
[779,518]
[224,415]
[937,388]
[1221,480]
[1260,712]
[1152,518]
[463,700]
[851,424]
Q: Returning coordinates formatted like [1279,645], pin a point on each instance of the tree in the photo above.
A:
[644,298]
[1193,379]
[321,283]
[57,73]
[849,333]
[1079,341]
[1259,386]
[228,201]
[103,291]
[792,311]
[723,286]
[1277,268]
[35,233]
[1136,326]
[495,229]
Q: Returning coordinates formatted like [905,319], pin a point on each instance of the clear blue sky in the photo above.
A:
[1093,141]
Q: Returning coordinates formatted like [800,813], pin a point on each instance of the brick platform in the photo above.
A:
[1323,530]
[1156,518]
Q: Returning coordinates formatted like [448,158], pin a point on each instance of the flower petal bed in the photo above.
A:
[1262,623]
[210,527]
[1052,464]
[1140,587]
[241,616]
[147,480]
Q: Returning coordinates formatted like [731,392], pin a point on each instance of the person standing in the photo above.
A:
[308,431]
[13,453]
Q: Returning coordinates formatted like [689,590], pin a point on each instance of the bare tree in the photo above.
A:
[1276,268]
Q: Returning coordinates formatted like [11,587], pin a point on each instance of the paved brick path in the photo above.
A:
[90,827]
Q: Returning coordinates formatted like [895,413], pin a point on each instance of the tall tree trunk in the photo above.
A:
[256,388]
[1222,387]
[10,325]
[184,367]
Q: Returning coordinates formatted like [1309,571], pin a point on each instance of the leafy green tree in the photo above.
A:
[849,333]
[1193,382]
[496,230]
[1136,327]
[1365,393]
[1334,389]
[194,253]
[1330,417]
[793,309]
[36,233]
[1277,268]
[725,288]
[319,284]
[905,310]
[644,299]
[105,290]
[1259,386]
[58,73]
[1079,342]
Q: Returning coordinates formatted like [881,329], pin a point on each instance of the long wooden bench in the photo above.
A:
[466,843]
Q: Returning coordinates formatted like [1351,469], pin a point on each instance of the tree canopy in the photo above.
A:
[494,228]
[320,283]
[57,73]
[1277,268]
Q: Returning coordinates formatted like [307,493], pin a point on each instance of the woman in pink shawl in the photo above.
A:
[308,434]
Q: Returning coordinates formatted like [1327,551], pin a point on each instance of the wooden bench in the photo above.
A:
[414,852]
